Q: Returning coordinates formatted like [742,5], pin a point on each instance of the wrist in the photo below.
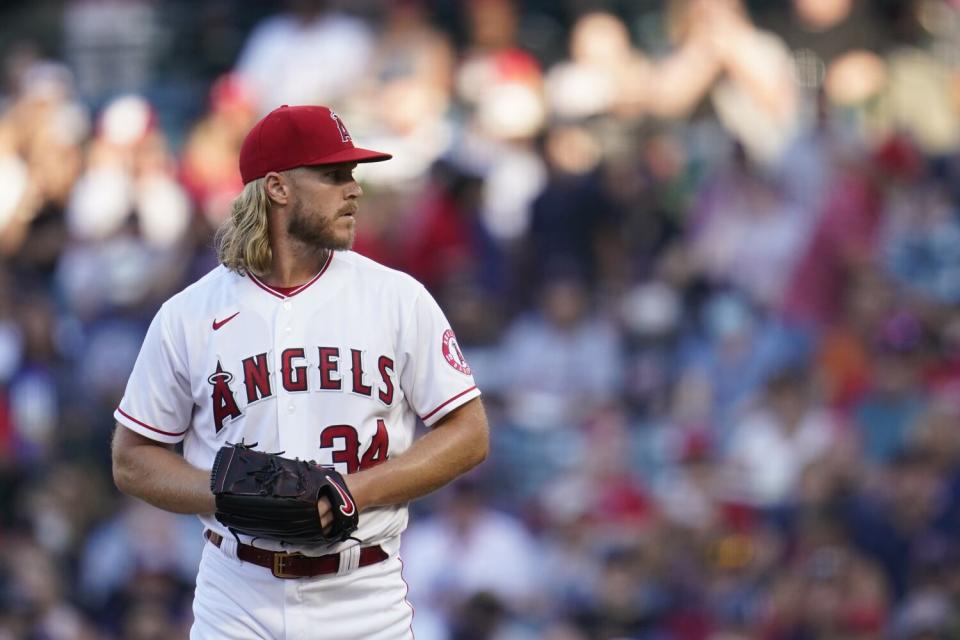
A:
[360,489]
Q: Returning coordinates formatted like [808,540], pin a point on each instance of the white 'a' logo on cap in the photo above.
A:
[344,134]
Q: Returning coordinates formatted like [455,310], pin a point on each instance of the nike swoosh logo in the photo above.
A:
[347,508]
[217,325]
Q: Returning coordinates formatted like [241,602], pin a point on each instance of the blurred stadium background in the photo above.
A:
[703,256]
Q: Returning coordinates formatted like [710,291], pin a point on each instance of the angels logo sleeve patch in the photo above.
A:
[436,376]
[452,353]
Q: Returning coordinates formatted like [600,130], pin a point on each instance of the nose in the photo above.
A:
[353,190]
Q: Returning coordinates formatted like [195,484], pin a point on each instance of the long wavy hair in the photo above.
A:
[242,241]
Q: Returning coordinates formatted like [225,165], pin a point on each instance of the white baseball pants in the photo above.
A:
[236,600]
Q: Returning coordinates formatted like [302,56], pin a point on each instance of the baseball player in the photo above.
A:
[296,349]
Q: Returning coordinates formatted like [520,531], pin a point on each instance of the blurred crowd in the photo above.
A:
[703,257]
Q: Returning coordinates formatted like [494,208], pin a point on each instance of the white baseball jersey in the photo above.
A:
[335,371]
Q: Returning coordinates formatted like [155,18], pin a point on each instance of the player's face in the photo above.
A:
[325,205]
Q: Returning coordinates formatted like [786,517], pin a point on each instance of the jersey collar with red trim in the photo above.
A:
[286,292]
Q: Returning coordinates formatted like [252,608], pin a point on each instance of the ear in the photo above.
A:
[278,188]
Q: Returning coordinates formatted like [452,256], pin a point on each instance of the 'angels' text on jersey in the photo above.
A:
[299,372]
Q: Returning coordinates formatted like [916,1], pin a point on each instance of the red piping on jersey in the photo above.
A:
[413,611]
[281,293]
[462,393]
[144,424]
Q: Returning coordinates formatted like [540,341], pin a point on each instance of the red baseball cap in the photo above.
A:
[303,136]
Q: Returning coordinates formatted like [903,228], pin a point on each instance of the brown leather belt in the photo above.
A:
[284,564]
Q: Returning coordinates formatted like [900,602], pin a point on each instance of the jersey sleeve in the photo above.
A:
[157,402]
[435,377]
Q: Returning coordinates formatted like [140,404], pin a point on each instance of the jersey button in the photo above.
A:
[287,305]
[288,329]
[290,408]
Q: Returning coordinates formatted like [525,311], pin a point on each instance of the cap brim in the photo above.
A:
[350,155]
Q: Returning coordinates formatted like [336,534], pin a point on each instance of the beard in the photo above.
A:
[316,231]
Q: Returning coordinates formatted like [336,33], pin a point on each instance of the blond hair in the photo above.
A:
[242,242]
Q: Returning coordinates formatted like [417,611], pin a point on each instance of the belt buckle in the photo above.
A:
[281,557]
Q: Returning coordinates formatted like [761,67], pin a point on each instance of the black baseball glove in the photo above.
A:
[265,495]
